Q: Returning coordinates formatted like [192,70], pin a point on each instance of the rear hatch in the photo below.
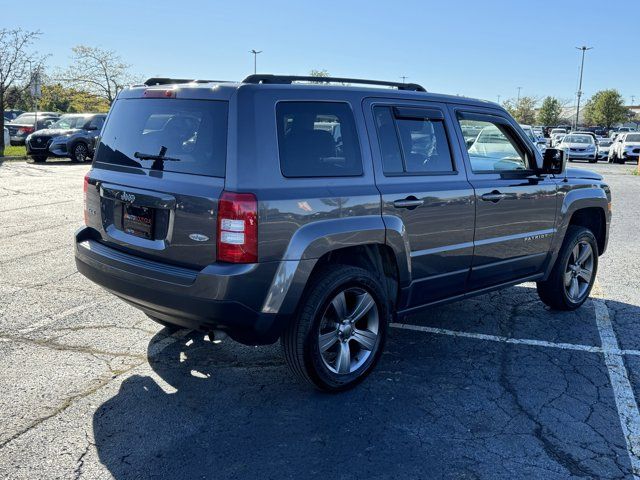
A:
[157,176]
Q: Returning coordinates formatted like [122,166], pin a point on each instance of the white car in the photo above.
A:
[579,146]
[625,147]
[7,138]
[541,144]
[604,145]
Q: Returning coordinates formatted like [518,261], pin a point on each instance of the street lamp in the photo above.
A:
[584,50]
[255,59]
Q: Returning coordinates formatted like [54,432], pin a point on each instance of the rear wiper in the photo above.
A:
[158,160]
[160,156]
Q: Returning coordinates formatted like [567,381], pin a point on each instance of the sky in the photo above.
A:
[474,48]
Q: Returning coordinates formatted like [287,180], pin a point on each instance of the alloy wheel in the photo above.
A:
[348,331]
[579,271]
[80,152]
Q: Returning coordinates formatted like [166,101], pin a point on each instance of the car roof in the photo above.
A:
[215,90]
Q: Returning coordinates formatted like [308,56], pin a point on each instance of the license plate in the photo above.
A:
[138,221]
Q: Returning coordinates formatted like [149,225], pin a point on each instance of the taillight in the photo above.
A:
[238,228]
[25,130]
[85,188]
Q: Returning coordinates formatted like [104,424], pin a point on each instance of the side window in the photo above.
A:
[491,144]
[97,122]
[412,141]
[317,139]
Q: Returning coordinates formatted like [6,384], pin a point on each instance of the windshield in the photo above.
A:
[633,137]
[587,139]
[68,122]
[558,130]
[193,133]
[605,143]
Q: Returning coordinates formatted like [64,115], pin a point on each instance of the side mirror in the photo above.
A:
[553,161]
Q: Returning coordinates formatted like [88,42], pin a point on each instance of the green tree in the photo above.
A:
[605,108]
[523,110]
[550,111]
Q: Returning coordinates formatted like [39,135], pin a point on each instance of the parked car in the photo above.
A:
[540,143]
[579,146]
[72,135]
[236,210]
[25,125]
[604,144]
[625,147]
[7,139]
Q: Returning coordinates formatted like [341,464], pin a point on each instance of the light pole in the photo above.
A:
[255,59]
[584,50]
[519,88]
[403,77]
[498,99]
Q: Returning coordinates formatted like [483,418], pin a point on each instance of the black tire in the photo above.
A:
[553,291]
[613,158]
[39,158]
[300,340]
[79,152]
[593,160]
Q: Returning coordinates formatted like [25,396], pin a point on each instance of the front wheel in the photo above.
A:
[79,152]
[340,330]
[39,158]
[574,272]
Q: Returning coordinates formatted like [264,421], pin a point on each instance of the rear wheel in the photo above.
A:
[574,272]
[80,152]
[339,333]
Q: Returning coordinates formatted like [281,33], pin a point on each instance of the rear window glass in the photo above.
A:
[317,139]
[189,135]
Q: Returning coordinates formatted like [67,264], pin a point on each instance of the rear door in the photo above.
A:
[516,208]
[159,170]
[420,174]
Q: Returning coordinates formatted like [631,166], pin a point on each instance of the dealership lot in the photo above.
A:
[492,387]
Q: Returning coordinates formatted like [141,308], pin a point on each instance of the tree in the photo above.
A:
[523,110]
[550,111]
[56,97]
[319,73]
[17,62]
[96,71]
[605,108]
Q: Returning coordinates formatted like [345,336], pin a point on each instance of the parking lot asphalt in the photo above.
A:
[493,387]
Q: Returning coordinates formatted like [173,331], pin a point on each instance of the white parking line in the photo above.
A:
[498,338]
[624,397]
[622,390]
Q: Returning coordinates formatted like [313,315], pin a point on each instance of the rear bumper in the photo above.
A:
[227,297]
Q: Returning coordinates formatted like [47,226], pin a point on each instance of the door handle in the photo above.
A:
[409,202]
[494,196]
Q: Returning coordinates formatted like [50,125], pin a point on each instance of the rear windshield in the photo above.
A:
[189,135]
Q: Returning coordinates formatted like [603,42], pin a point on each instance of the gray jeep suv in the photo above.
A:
[316,213]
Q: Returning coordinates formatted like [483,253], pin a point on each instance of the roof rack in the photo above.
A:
[166,81]
[288,79]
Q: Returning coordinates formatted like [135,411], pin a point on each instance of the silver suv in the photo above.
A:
[316,213]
